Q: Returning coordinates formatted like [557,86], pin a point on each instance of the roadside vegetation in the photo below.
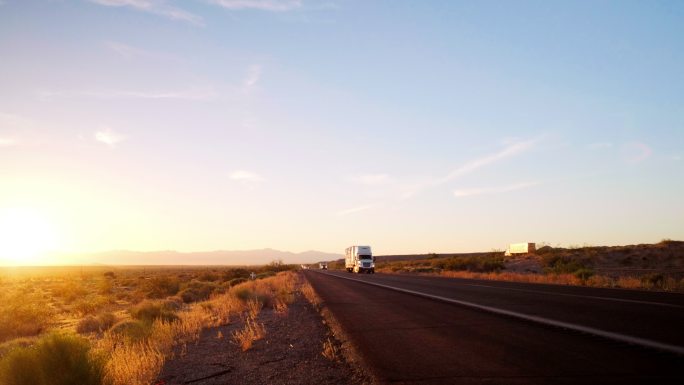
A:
[657,266]
[117,327]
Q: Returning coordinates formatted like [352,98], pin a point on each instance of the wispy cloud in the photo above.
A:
[107,136]
[371,179]
[246,176]
[354,210]
[472,165]
[253,76]
[126,51]
[469,167]
[262,5]
[636,152]
[190,94]
[493,190]
[156,7]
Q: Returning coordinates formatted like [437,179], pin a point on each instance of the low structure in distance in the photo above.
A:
[520,248]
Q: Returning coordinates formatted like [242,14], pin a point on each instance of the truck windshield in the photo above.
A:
[365,257]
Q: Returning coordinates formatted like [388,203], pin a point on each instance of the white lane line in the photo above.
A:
[546,321]
[567,295]
[580,296]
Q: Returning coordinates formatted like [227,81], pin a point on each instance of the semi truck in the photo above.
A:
[359,259]
[323,265]
[520,248]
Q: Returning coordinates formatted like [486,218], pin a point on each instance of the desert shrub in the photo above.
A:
[231,274]
[544,250]
[561,264]
[237,281]
[69,291]
[88,324]
[653,280]
[132,330]
[90,305]
[148,311]
[97,324]
[106,320]
[243,293]
[477,264]
[105,287]
[57,359]
[109,274]
[265,274]
[22,316]
[161,287]
[583,273]
[208,276]
[198,291]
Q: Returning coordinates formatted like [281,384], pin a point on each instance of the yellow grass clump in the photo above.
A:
[134,364]
[252,331]
[310,294]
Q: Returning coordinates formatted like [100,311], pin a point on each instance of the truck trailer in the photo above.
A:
[520,248]
[359,259]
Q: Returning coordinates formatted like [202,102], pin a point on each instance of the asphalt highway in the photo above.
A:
[416,329]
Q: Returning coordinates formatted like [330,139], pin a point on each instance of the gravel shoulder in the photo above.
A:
[290,353]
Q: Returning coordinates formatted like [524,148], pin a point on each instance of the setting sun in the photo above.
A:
[25,235]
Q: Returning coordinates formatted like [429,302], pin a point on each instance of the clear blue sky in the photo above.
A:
[412,126]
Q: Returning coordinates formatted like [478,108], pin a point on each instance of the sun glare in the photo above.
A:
[24,236]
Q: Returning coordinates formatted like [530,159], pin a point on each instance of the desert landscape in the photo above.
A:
[254,324]
[323,192]
[657,266]
[134,325]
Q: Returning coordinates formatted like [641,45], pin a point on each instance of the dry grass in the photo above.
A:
[280,306]
[134,364]
[148,333]
[667,283]
[310,294]
[329,350]
[252,331]
[253,308]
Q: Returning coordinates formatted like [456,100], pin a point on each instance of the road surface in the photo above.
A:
[416,329]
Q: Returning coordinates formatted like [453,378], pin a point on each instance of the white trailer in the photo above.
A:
[359,259]
[520,248]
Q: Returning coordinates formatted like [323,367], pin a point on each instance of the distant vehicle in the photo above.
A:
[359,259]
[305,267]
[520,248]
[323,265]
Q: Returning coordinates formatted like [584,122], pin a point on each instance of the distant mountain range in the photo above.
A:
[218,257]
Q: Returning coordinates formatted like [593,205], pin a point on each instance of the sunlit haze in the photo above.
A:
[410,126]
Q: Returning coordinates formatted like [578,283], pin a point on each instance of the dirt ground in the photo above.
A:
[290,353]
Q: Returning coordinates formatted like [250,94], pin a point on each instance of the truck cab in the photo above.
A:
[359,259]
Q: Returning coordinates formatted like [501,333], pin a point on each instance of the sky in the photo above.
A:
[410,126]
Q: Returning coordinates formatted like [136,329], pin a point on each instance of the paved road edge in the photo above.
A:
[540,320]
